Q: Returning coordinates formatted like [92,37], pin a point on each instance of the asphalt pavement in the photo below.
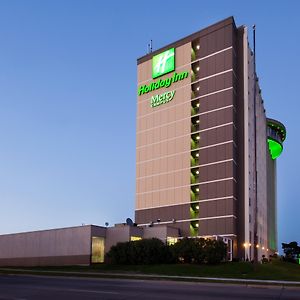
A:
[25,287]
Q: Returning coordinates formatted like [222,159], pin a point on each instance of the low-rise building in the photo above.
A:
[81,245]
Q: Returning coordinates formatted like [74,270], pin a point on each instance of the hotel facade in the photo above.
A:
[205,150]
[205,158]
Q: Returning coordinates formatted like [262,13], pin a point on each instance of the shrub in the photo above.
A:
[264,260]
[154,251]
[215,251]
[147,251]
[199,250]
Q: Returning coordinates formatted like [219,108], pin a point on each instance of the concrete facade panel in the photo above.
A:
[45,261]
[60,242]
[163,137]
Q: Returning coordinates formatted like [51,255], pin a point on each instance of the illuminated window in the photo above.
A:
[97,249]
[135,238]
[171,240]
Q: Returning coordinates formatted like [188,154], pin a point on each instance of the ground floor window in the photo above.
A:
[97,249]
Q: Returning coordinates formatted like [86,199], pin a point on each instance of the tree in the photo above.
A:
[291,251]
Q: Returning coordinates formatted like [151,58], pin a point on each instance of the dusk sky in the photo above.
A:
[68,102]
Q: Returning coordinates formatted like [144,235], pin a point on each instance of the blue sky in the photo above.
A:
[68,102]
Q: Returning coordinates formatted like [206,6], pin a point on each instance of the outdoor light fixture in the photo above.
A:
[197,121]
[197,68]
[197,172]
[197,154]
[198,104]
[197,207]
[198,47]
[198,88]
[198,137]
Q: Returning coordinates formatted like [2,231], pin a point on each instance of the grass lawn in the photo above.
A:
[275,270]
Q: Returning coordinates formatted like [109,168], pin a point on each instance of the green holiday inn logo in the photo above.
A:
[163,63]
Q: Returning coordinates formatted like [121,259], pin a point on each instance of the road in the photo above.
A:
[19,287]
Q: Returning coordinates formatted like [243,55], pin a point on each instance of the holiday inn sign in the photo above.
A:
[162,64]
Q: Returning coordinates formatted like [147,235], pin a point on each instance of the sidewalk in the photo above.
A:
[149,277]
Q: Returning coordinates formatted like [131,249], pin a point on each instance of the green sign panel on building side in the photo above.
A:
[163,63]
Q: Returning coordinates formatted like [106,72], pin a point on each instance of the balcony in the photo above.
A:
[194,177]
[195,71]
[195,128]
[194,161]
[194,144]
[194,210]
[195,90]
[195,110]
[193,54]
[195,158]
[195,193]
[194,226]
[195,50]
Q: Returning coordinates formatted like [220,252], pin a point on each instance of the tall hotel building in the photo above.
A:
[205,151]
